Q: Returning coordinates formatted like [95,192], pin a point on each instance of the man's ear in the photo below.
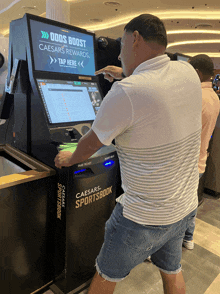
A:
[199,74]
[136,36]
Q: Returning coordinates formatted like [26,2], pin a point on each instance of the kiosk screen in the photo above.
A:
[67,101]
[56,49]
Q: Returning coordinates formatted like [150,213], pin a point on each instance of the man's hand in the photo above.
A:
[86,147]
[111,72]
[63,159]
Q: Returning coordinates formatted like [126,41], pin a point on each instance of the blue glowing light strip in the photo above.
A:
[79,171]
[109,163]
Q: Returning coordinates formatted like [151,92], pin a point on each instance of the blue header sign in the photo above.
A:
[61,50]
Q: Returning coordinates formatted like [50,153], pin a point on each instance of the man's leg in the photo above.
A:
[201,189]
[173,284]
[188,238]
[190,230]
[101,286]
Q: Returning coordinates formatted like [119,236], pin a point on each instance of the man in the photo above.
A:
[210,110]
[154,115]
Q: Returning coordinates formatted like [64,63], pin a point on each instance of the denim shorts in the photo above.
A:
[127,244]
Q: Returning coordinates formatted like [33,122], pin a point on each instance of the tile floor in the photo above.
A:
[201,266]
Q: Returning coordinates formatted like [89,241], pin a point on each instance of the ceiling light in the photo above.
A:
[203,25]
[112,3]
[193,32]
[210,54]
[193,42]
[5,33]
[43,14]
[28,7]
[9,6]
[185,14]
[95,19]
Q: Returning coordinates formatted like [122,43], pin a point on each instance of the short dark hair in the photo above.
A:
[203,63]
[150,27]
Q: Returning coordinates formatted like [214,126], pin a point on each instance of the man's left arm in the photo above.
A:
[86,147]
[113,118]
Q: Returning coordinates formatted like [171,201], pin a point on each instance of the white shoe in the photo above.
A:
[148,259]
[188,244]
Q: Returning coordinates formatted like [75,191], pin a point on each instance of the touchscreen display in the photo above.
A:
[57,49]
[66,101]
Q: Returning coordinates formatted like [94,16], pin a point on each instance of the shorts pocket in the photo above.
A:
[137,240]
[147,238]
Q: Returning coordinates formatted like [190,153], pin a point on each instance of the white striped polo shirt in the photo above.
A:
[154,116]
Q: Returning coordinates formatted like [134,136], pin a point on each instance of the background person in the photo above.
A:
[204,67]
[157,136]
[218,87]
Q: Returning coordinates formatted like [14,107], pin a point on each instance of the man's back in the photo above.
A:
[210,112]
[155,116]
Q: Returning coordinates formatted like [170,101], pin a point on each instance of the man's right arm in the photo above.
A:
[114,116]
[111,72]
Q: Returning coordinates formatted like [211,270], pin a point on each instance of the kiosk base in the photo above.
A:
[73,285]
[27,216]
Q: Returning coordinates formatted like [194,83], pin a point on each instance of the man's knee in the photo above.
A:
[173,283]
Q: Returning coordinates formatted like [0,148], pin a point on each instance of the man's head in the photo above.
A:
[204,66]
[144,38]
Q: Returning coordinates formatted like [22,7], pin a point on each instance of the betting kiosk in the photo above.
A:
[27,217]
[56,96]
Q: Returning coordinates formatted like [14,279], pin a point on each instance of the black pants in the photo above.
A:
[201,189]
